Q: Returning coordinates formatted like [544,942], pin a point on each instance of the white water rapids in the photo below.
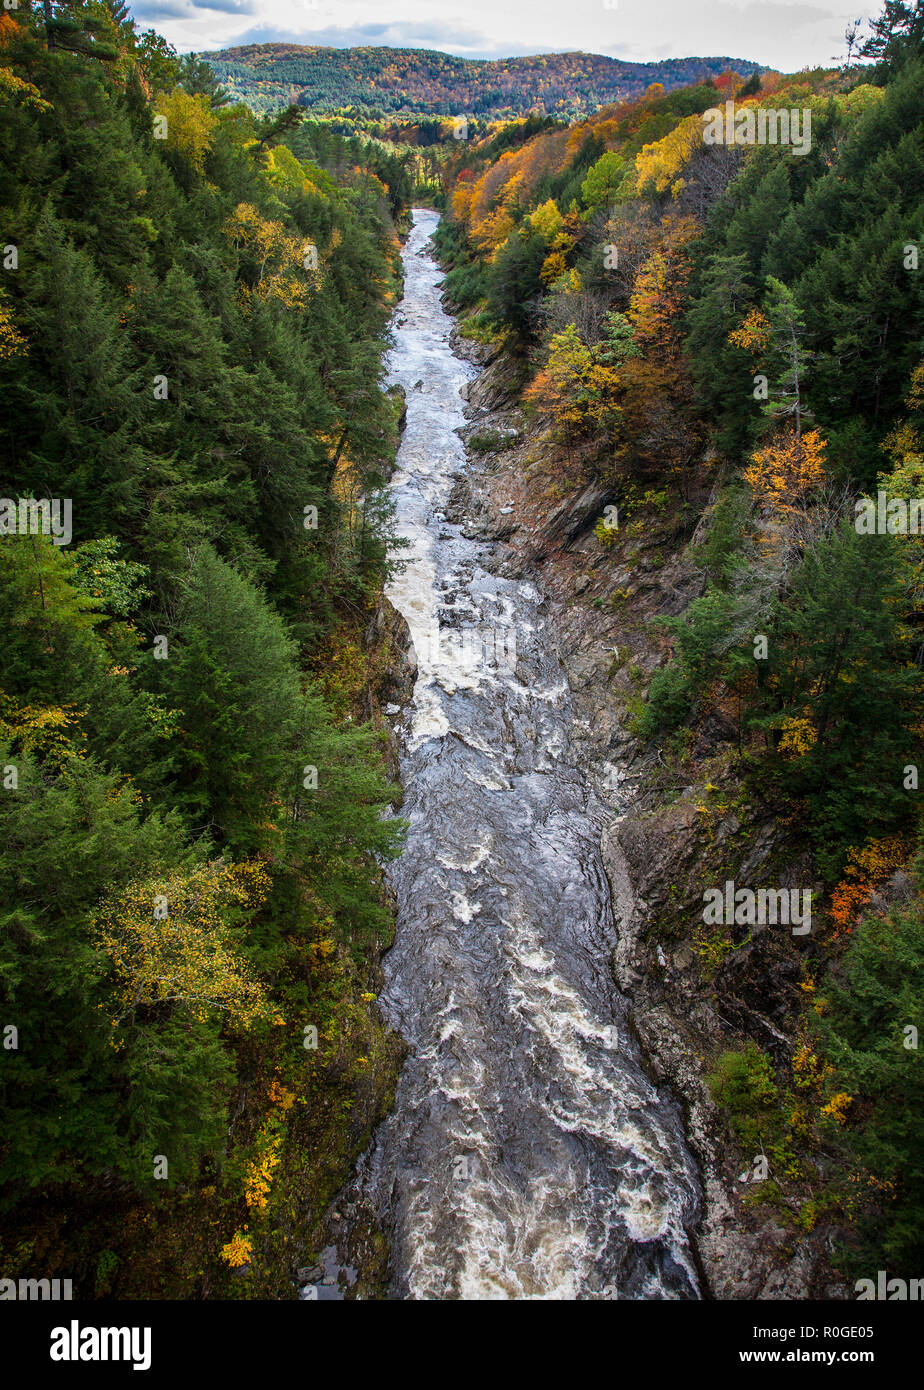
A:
[527,1154]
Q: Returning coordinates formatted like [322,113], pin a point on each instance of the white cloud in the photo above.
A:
[158,11]
[789,34]
[445,38]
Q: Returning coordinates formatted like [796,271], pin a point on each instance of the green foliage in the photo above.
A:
[489,441]
[602,181]
[877,994]
[743,1082]
[896,37]
[838,655]
[217,420]
[719,554]
[232,671]
[668,704]
[832,227]
[723,291]
[64,841]
[712,644]
[513,284]
[373,81]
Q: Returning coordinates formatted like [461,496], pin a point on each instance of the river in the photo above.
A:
[527,1155]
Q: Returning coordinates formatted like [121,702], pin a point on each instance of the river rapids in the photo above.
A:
[527,1155]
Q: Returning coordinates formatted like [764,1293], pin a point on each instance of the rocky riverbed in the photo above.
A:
[666,832]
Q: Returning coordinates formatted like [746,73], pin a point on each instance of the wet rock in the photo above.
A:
[654,849]
[479,354]
[387,627]
[460,499]
[577,514]
[399,400]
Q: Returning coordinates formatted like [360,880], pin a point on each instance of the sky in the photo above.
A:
[788,36]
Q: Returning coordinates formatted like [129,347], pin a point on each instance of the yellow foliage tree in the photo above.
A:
[867,866]
[546,219]
[238,1250]
[661,163]
[14,88]
[12,342]
[462,196]
[575,386]
[485,206]
[553,266]
[657,299]
[753,335]
[259,1176]
[284,170]
[282,267]
[15,43]
[492,231]
[186,954]
[49,730]
[799,737]
[191,125]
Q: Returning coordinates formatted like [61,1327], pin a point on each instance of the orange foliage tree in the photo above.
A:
[657,302]
[867,867]
[786,470]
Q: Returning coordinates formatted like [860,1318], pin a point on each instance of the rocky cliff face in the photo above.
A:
[677,826]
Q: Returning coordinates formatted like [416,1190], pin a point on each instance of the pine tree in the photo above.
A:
[863,1027]
[62,841]
[231,670]
[896,36]
[79,392]
[839,657]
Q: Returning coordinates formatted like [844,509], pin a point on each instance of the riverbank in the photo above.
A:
[671,825]
[527,1153]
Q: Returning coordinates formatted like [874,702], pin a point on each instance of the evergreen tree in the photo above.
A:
[62,841]
[864,1031]
[231,670]
[839,659]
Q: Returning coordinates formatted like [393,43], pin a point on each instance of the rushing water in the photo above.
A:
[527,1154]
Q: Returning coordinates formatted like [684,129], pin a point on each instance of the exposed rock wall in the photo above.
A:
[666,839]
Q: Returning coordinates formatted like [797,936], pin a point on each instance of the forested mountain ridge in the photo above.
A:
[398,80]
[192,328]
[704,370]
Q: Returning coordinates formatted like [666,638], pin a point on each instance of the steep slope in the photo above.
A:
[402,79]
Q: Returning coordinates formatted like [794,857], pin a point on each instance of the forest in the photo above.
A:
[725,339]
[381,81]
[195,804]
[200,258]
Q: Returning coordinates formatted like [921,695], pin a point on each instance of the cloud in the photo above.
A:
[148,10]
[444,38]
[781,33]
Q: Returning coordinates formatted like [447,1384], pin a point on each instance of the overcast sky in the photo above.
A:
[783,35]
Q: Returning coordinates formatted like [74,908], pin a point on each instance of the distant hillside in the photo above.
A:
[394,80]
